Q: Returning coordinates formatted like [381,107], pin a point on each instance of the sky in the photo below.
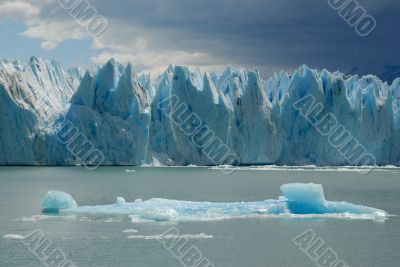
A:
[270,35]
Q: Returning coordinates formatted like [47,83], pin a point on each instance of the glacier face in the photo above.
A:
[32,95]
[130,121]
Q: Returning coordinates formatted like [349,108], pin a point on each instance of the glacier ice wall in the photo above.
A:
[32,96]
[125,116]
[112,110]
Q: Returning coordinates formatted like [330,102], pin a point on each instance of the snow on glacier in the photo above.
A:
[118,111]
[298,200]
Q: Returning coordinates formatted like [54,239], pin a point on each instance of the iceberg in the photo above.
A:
[123,115]
[54,201]
[310,199]
[297,200]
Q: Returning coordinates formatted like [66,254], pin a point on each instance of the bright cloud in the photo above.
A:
[55,32]
[18,10]
[49,45]
[157,61]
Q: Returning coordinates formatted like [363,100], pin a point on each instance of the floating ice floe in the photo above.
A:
[130,231]
[170,236]
[13,236]
[299,201]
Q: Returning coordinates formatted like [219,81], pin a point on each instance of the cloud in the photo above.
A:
[43,21]
[55,32]
[18,10]
[156,61]
[373,6]
[49,45]
[270,34]
[149,50]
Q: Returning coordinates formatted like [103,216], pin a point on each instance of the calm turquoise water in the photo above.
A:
[101,241]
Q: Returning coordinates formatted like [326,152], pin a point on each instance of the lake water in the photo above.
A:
[101,241]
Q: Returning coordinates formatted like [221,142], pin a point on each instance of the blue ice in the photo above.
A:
[298,200]
[54,201]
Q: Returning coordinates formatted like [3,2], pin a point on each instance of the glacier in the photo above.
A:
[124,115]
[299,201]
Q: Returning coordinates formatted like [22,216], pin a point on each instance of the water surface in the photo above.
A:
[103,241]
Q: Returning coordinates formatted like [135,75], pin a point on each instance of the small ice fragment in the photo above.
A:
[160,214]
[13,236]
[130,231]
[170,236]
[120,201]
[111,220]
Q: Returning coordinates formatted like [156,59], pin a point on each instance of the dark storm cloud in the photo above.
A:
[281,33]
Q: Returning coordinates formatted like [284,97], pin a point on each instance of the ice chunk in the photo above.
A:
[13,236]
[304,198]
[170,236]
[306,193]
[162,214]
[310,199]
[120,201]
[130,231]
[54,201]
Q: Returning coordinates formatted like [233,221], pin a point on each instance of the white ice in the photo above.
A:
[254,118]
